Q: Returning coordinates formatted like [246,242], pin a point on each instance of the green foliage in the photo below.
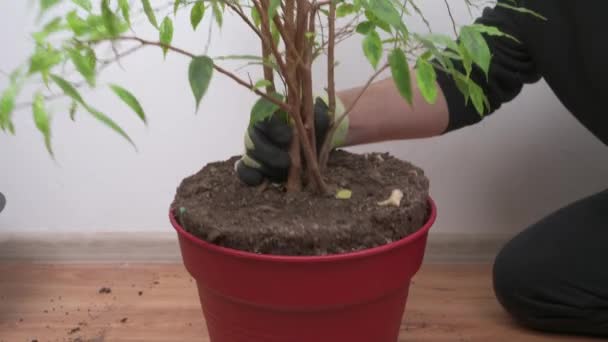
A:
[85,62]
[264,109]
[149,12]
[69,44]
[42,121]
[521,10]
[84,4]
[125,10]
[217,12]
[197,13]
[166,34]
[372,47]
[272,8]
[199,74]
[425,77]
[477,47]
[130,100]
[386,12]
[401,73]
[71,92]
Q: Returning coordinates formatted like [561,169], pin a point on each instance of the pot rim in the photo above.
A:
[308,259]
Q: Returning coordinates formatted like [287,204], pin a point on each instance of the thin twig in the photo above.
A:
[451,17]
[240,13]
[331,60]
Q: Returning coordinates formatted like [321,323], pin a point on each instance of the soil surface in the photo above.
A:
[216,206]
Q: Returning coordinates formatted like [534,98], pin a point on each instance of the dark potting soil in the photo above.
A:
[216,206]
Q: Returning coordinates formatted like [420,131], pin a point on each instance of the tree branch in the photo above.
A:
[451,17]
[240,13]
[219,69]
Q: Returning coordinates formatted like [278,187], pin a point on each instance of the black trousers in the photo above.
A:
[554,275]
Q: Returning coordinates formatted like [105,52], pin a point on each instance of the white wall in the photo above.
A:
[519,164]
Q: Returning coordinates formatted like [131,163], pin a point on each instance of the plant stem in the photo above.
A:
[265,37]
[306,76]
[331,61]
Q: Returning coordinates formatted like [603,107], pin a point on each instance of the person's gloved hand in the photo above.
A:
[267,144]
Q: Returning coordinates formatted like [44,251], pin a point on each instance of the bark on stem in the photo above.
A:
[266,53]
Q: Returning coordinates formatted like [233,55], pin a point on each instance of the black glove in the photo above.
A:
[267,147]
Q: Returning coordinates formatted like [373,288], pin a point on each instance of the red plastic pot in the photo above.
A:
[353,297]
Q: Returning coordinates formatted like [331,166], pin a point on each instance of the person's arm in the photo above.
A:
[382,114]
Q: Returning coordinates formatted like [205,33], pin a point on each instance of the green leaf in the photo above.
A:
[377,22]
[521,10]
[176,5]
[125,9]
[401,74]
[467,60]
[344,194]
[7,105]
[426,80]
[274,32]
[43,59]
[166,34]
[42,121]
[239,57]
[68,89]
[78,25]
[263,109]
[365,27]
[386,12]
[73,108]
[104,119]
[46,4]
[477,97]
[491,31]
[344,10]
[199,74]
[197,13]
[217,13]
[130,100]
[257,20]
[109,18]
[272,8]
[84,4]
[51,27]
[440,39]
[85,64]
[149,12]
[477,47]
[261,84]
[372,48]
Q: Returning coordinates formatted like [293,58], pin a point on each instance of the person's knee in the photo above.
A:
[512,282]
[524,286]
[531,290]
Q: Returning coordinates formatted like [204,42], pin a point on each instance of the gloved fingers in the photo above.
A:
[253,173]
[248,175]
[263,150]
[322,121]
[275,130]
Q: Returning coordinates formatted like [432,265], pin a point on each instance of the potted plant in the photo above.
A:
[329,254]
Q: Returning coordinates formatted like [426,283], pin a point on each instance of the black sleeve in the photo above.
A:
[511,67]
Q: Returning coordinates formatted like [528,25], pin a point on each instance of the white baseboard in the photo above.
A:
[162,247]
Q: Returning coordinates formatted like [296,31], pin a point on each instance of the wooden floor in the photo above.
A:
[160,303]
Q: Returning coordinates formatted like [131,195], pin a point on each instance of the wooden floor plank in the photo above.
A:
[160,303]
